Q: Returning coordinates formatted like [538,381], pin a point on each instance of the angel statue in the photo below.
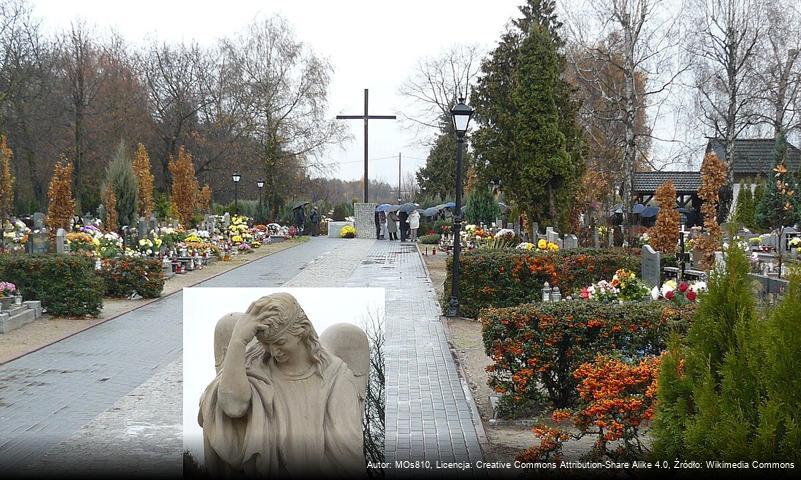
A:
[284,402]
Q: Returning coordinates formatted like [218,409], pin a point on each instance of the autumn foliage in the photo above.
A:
[62,206]
[617,399]
[141,167]
[184,186]
[665,234]
[6,179]
[110,204]
[713,178]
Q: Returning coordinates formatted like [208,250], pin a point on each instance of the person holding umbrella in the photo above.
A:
[315,221]
[392,225]
[414,224]
[404,225]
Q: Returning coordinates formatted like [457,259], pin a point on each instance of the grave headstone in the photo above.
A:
[552,235]
[153,223]
[789,233]
[560,243]
[650,266]
[571,242]
[38,242]
[226,220]
[720,262]
[536,226]
[142,228]
[101,212]
[611,237]
[61,242]
[596,242]
[38,221]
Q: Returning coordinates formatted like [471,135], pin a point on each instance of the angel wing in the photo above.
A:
[350,343]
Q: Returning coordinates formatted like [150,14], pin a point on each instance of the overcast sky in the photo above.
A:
[371,44]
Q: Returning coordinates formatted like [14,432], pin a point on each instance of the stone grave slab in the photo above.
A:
[650,263]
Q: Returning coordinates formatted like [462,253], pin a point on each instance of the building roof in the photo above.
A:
[754,156]
[685,182]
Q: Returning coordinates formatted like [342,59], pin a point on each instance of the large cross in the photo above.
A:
[366,117]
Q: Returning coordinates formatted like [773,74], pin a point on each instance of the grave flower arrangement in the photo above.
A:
[525,246]
[108,245]
[795,243]
[7,289]
[624,287]
[148,247]
[81,243]
[679,293]
[244,247]
[546,246]
[347,232]
[15,235]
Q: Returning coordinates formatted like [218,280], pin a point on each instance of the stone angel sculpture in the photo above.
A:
[284,402]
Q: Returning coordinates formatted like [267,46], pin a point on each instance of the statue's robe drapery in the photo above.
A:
[295,426]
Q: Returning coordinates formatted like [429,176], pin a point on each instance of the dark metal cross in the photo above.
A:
[366,117]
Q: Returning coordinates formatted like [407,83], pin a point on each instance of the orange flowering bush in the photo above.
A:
[537,348]
[506,278]
[616,399]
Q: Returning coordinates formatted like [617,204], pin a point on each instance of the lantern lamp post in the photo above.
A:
[236,177]
[260,184]
[460,114]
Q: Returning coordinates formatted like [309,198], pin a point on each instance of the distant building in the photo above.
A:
[753,158]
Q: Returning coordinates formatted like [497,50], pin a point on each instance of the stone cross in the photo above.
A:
[650,266]
[38,221]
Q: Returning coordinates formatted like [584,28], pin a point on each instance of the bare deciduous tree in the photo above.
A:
[725,45]
[437,82]
[640,40]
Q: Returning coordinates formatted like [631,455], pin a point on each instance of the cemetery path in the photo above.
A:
[48,395]
[117,381]
[429,414]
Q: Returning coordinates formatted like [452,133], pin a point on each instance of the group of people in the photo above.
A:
[387,225]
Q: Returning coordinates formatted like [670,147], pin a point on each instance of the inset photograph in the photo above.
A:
[283,381]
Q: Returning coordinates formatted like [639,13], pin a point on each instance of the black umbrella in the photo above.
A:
[408,207]
[300,205]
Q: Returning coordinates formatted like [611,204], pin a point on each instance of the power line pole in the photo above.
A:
[366,117]
[399,176]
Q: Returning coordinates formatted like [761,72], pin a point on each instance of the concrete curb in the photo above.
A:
[146,303]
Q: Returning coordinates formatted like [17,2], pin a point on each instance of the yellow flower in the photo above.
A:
[553,247]
[542,244]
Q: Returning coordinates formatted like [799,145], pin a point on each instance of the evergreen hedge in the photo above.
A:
[125,276]
[535,348]
[67,285]
[506,278]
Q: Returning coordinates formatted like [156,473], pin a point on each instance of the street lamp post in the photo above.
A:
[236,178]
[260,184]
[461,114]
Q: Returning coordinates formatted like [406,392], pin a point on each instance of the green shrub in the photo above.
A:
[67,285]
[506,278]
[124,276]
[430,239]
[535,348]
[341,211]
[730,388]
